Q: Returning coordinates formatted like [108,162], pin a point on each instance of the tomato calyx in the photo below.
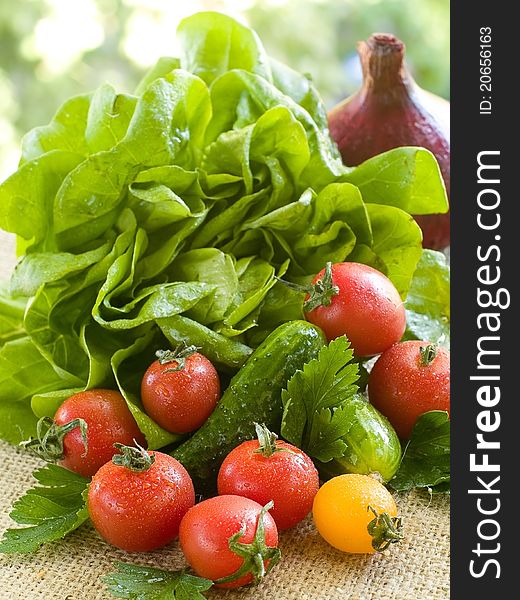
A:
[136,458]
[178,355]
[384,529]
[48,443]
[267,441]
[322,291]
[254,554]
[428,354]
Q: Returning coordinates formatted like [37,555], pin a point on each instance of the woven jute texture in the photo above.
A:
[71,569]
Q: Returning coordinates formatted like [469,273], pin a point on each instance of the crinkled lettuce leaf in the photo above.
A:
[428,301]
[11,315]
[169,215]
[407,178]
[24,371]
[213,44]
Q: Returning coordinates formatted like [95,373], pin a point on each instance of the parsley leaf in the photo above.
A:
[316,415]
[138,582]
[51,510]
[426,459]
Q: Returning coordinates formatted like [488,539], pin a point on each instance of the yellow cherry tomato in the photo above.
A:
[347,507]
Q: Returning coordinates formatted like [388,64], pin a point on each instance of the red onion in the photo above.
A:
[391,110]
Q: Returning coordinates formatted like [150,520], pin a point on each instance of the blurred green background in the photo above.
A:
[53,49]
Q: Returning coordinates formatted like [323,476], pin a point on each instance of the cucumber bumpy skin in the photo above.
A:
[373,447]
[253,395]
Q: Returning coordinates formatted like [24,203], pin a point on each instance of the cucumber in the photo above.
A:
[373,447]
[253,395]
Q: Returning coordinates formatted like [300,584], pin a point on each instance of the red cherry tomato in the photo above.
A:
[180,394]
[277,471]
[140,511]
[108,420]
[205,534]
[408,380]
[364,305]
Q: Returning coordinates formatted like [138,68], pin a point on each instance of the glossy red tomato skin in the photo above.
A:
[205,531]
[367,309]
[108,419]
[181,401]
[287,477]
[403,389]
[139,512]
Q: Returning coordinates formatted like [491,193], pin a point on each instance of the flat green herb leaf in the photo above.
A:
[332,426]
[440,488]
[137,582]
[314,394]
[369,443]
[407,178]
[426,458]
[428,300]
[51,510]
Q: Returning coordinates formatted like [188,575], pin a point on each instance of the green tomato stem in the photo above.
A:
[428,354]
[254,554]
[48,443]
[178,355]
[322,291]
[136,459]
[384,529]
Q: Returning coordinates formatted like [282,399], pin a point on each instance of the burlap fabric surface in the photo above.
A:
[71,569]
